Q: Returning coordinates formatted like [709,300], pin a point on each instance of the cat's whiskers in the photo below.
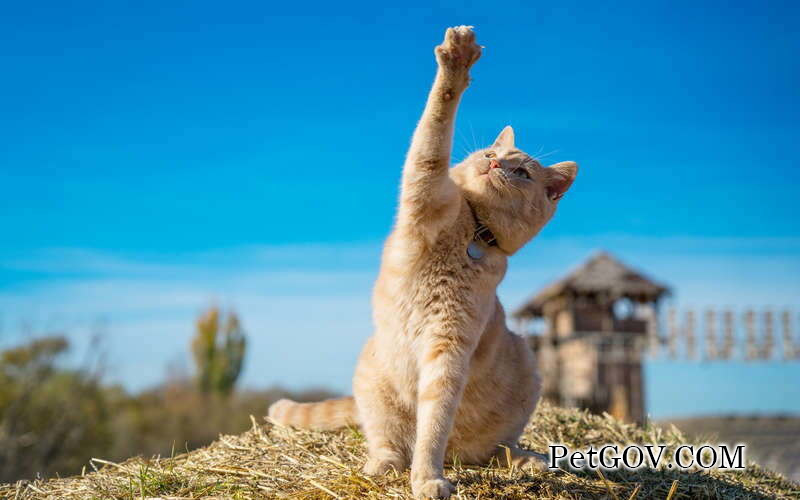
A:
[474,141]
[500,181]
[506,182]
[533,162]
[540,156]
[465,145]
[510,183]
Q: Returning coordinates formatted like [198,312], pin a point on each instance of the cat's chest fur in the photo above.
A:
[424,286]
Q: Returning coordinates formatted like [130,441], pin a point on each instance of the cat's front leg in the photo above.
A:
[432,141]
[427,190]
[443,372]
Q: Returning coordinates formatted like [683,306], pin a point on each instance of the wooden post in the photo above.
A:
[768,342]
[790,351]
[653,338]
[691,347]
[711,335]
[751,348]
[728,339]
[672,333]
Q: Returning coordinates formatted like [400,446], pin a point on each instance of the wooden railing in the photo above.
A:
[713,335]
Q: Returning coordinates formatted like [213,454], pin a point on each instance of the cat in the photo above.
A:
[442,376]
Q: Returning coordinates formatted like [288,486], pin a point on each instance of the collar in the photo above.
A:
[482,232]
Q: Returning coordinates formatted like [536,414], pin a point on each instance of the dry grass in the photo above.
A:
[276,462]
[772,441]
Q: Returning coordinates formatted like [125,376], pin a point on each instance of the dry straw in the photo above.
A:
[270,461]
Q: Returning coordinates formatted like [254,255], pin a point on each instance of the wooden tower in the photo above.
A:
[593,328]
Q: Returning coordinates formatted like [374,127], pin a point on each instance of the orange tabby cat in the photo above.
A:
[442,375]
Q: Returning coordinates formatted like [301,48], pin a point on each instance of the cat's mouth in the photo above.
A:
[495,177]
[484,169]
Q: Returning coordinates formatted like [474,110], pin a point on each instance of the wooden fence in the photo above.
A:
[714,335]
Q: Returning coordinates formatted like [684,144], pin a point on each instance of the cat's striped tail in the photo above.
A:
[325,415]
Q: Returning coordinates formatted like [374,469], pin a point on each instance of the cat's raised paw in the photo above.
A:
[459,51]
[433,488]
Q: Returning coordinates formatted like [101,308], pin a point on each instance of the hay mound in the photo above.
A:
[269,461]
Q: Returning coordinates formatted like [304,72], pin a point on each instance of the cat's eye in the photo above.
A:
[490,154]
[521,172]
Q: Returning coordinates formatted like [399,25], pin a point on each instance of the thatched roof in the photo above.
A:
[602,273]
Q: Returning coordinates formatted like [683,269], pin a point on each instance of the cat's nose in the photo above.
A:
[494,164]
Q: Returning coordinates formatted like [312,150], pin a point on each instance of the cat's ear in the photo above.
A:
[505,139]
[559,178]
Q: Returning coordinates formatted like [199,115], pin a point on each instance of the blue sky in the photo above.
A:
[158,158]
